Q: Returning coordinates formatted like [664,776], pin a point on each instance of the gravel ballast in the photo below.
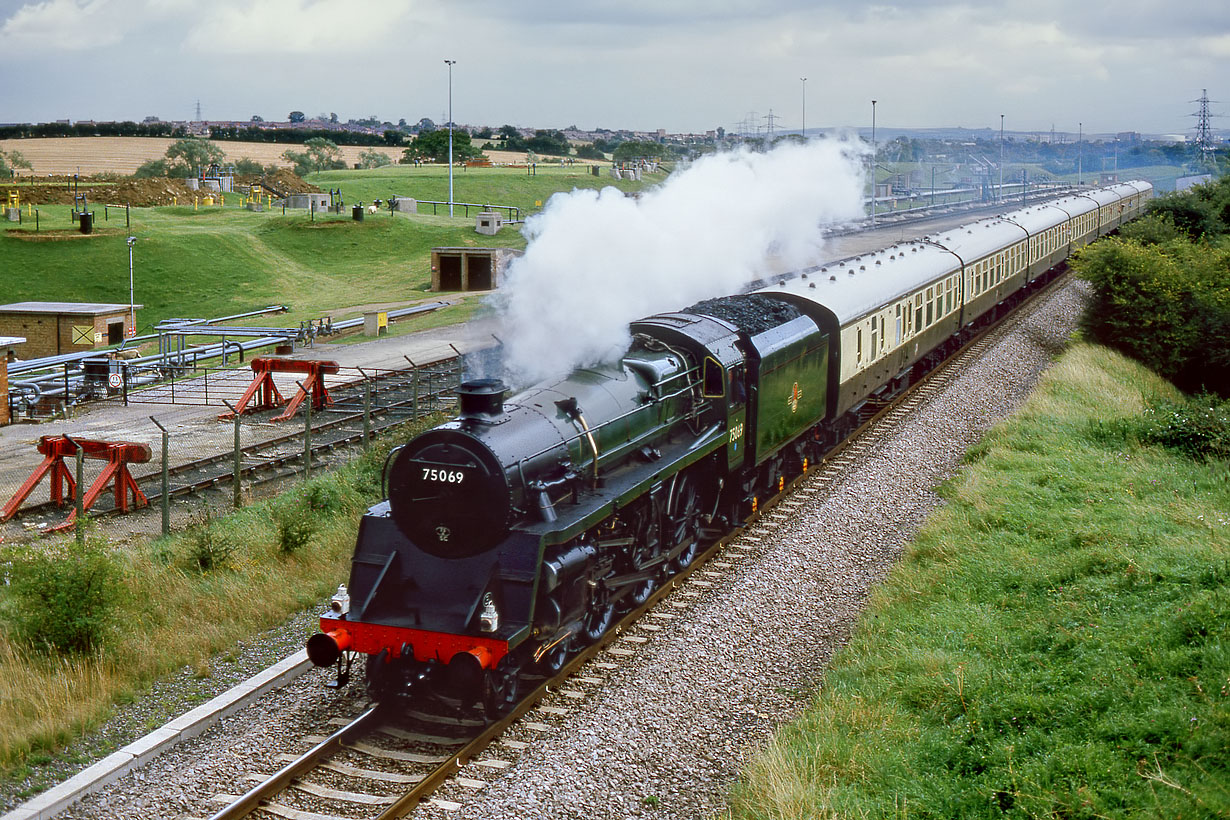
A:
[673,723]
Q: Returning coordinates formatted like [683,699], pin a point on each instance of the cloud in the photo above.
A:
[63,25]
[337,33]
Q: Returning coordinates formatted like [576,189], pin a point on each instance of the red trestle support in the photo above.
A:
[55,449]
[263,394]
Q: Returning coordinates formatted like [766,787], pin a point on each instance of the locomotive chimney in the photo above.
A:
[481,399]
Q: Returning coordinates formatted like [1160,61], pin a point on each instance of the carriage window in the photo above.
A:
[874,339]
[860,345]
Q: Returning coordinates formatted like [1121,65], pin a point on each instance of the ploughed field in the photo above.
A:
[122,155]
[62,156]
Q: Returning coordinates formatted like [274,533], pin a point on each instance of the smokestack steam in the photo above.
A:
[597,260]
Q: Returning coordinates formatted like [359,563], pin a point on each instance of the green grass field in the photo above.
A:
[483,186]
[1055,644]
[215,261]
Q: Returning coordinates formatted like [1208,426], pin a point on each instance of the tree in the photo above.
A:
[257,118]
[433,145]
[296,116]
[549,142]
[373,159]
[321,155]
[193,154]
[634,150]
[18,160]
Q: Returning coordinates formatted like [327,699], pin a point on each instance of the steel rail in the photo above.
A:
[309,760]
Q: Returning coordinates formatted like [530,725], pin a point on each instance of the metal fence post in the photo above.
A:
[307,431]
[238,465]
[414,394]
[79,492]
[124,372]
[166,478]
[367,414]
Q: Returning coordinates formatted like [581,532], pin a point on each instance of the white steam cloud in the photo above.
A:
[597,260]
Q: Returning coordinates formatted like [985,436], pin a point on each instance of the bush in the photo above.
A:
[1166,305]
[151,169]
[209,548]
[320,496]
[295,528]
[63,599]
[249,167]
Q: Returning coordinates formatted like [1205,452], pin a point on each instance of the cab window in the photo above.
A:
[714,379]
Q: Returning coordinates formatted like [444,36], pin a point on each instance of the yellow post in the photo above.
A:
[194,203]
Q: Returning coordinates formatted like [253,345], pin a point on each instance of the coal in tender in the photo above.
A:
[751,313]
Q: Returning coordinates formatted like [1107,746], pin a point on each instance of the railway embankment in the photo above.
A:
[1053,641]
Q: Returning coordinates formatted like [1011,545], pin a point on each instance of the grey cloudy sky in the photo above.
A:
[682,65]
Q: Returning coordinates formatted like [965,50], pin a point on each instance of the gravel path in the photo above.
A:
[672,725]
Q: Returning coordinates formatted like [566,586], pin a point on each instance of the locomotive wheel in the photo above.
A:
[381,679]
[553,660]
[641,592]
[685,522]
[501,688]
[597,621]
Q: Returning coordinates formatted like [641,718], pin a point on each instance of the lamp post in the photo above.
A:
[873,163]
[1080,147]
[1001,157]
[132,307]
[451,63]
[803,130]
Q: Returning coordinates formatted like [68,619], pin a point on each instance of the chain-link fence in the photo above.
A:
[191,417]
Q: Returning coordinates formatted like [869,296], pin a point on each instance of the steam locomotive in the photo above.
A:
[513,534]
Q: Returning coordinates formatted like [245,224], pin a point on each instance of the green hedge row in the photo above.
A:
[1161,290]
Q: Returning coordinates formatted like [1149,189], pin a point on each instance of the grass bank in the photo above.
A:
[1054,644]
[524,188]
[180,600]
[217,261]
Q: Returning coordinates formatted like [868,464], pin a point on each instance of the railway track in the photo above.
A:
[440,758]
[401,397]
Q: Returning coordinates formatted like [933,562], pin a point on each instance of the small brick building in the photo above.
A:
[53,328]
[7,343]
[469,268]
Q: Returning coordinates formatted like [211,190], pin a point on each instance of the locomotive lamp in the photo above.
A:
[489,619]
[340,604]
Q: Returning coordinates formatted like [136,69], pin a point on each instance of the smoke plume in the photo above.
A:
[597,260]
